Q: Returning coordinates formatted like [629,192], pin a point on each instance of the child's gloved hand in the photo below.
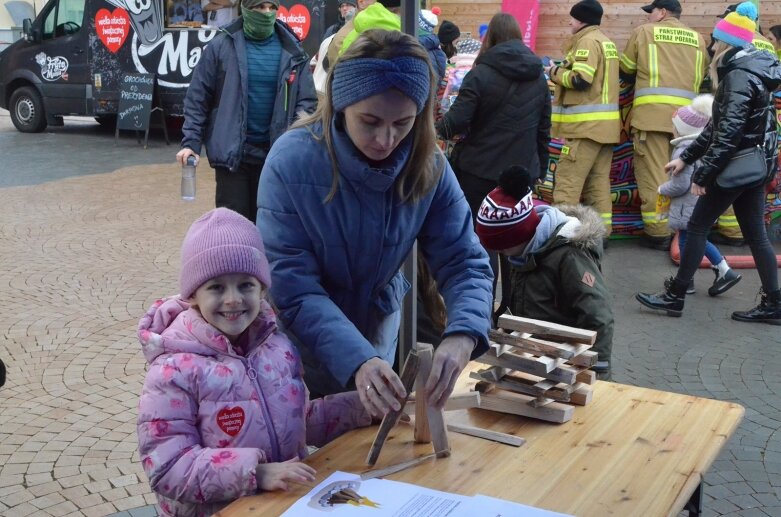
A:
[275,476]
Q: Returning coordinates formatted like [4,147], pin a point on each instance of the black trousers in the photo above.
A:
[475,189]
[749,208]
[238,190]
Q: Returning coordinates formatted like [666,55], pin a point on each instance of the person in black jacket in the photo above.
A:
[743,118]
[504,109]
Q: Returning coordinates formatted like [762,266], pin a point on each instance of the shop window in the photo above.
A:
[183,13]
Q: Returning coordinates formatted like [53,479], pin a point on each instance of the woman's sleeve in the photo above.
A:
[305,307]
[726,136]
[458,262]
[543,132]
[458,118]
[172,456]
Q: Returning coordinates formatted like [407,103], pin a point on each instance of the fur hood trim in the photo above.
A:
[589,233]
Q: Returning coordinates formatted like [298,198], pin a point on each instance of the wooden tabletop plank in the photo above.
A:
[630,451]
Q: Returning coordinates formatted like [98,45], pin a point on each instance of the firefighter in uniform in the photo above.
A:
[667,62]
[585,113]
[728,228]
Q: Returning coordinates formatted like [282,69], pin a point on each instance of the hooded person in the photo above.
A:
[262,75]
[504,105]
[555,255]
[743,124]
[347,10]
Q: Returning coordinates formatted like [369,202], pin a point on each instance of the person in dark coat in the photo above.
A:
[345,7]
[504,109]
[251,83]
[743,118]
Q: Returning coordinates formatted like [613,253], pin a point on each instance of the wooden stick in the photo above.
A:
[527,343]
[377,473]
[425,357]
[408,373]
[487,434]
[547,330]
[456,401]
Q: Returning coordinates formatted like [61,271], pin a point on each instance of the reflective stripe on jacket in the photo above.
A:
[592,112]
[669,61]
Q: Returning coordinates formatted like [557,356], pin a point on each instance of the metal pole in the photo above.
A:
[408,331]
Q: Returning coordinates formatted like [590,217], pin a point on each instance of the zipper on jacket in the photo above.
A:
[272,433]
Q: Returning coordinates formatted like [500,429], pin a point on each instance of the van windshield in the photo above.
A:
[64,18]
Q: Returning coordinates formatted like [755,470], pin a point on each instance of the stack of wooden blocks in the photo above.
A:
[538,370]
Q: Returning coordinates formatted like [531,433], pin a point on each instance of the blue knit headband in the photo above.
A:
[358,79]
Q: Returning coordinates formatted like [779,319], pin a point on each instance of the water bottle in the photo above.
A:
[188,179]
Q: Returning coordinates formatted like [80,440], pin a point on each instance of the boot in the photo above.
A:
[722,284]
[768,310]
[656,243]
[670,300]
[689,288]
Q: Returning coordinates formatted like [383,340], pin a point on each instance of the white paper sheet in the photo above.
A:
[343,494]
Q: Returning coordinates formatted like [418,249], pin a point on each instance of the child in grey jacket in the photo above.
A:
[688,123]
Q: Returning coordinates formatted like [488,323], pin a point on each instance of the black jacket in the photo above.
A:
[504,108]
[743,114]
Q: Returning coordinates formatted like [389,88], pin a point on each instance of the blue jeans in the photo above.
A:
[711,251]
[749,205]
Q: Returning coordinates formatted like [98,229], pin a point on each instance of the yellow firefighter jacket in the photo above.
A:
[762,43]
[669,61]
[591,112]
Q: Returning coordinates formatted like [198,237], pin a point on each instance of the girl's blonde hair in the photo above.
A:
[426,163]
[720,48]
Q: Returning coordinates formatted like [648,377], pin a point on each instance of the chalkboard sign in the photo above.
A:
[135,101]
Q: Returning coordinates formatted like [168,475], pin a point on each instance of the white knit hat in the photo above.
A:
[692,119]
[428,19]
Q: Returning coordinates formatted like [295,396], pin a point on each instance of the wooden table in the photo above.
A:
[631,451]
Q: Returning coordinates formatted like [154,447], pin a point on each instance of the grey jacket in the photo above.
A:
[678,188]
[215,107]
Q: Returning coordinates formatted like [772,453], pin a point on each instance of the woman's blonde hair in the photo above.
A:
[425,163]
[720,48]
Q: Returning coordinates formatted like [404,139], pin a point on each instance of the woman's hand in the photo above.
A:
[274,476]
[675,166]
[182,155]
[379,388]
[698,190]
[450,359]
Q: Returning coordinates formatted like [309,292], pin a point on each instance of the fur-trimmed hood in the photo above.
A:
[589,233]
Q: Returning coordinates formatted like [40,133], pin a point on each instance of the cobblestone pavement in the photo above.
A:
[82,258]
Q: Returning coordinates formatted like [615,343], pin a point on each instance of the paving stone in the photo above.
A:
[130,502]
[144,511]
[744,501]
[100,510]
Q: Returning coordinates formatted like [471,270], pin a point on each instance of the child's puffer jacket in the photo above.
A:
[210,412]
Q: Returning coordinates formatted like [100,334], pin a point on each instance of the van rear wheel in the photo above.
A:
[26,109]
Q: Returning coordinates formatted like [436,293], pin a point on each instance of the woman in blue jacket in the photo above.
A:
[343,197]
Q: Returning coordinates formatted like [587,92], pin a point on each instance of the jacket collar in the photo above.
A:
[355,168]
[570,42]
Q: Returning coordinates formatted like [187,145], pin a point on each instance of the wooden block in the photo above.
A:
[588,359]
[547,330]
[408,374]
[528,387]
[587,377]
[525,342]
[534,365]
[425,357]
[457,401]
[518,404]
[436,422]
[487,434]
[582,394]
[386,471]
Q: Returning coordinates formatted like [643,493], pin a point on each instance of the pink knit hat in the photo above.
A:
[692,119]
[221,242]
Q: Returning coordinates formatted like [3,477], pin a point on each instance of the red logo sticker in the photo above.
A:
[588,279]
[112,28]
[297,17]
[231,420]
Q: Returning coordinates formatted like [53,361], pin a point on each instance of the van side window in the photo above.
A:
[65,18]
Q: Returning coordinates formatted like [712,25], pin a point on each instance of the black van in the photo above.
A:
[73,55]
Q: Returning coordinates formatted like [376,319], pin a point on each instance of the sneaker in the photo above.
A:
[722,284]
[656,243]
[689,288]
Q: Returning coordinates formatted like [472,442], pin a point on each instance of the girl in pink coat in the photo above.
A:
[224,411]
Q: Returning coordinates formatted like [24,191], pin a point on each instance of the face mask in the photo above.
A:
[258,25]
